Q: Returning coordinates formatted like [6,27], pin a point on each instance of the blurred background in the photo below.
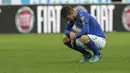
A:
[31,32]
[43,16]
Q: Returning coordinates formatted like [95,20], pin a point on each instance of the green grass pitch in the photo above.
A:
[45,53]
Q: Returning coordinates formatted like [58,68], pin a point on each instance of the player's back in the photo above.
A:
[94,27]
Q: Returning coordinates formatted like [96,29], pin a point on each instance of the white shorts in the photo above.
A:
[99,41]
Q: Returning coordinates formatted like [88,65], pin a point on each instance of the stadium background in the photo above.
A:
[31,32]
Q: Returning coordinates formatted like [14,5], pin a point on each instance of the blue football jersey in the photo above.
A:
[84,24]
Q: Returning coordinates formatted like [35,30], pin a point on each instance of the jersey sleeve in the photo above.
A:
[84,18]
[68,28]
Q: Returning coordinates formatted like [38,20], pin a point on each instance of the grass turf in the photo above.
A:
[45,53]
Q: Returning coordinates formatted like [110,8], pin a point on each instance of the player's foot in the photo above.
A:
[95,58]
[86,58]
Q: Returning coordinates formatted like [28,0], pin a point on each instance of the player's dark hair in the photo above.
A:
[65,11]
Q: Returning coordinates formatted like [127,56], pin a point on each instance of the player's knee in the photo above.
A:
[65,39]
[85,39]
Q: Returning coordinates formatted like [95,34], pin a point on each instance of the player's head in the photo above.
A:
[68,12]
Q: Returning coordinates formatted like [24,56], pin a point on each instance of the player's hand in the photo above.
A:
[72,43]
[72,37]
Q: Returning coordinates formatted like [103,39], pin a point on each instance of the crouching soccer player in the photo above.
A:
[83,32]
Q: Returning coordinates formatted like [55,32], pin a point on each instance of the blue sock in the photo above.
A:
[68,44]
[79,49]
[93,47]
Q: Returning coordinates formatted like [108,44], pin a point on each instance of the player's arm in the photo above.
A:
[69,33]
[85,28]
[68,28]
